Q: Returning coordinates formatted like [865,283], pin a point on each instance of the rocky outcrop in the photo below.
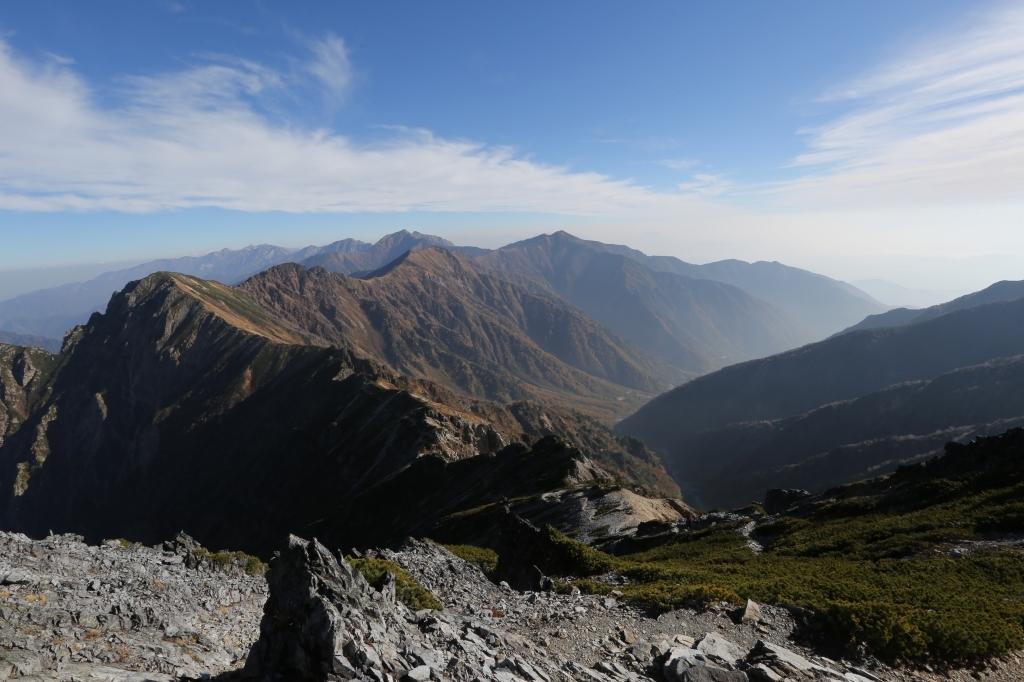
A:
[779,500]
[323,621]
[24,372]
[524,553]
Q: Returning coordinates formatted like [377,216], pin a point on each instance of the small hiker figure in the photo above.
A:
[690,520]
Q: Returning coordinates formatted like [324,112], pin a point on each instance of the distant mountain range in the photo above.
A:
[51,312]
[823,305]
[842,408]
[694,326]
[904,297]
[368,257]
[351,363]
[1000,291]
[12,339]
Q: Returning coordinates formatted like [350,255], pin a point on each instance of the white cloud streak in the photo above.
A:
[197,139]
[332,66]
[944,123]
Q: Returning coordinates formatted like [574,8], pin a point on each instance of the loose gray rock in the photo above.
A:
[717,647]
[120,611]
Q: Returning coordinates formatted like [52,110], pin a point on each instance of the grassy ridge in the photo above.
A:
[872,559]
[969,606]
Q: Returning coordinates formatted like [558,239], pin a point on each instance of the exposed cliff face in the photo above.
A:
[430,315]
[187,405]
[24,372]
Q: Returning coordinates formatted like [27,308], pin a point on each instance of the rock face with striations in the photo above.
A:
[323,620]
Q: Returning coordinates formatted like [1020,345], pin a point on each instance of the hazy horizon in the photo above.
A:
[899,280]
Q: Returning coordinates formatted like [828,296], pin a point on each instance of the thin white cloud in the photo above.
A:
[706,185]
[197,138]
[944,123]
[58,59]
[332,66]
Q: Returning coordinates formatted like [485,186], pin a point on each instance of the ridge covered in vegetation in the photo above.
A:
[919,563]
[926,562]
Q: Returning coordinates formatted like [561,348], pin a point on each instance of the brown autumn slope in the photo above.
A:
[431,315]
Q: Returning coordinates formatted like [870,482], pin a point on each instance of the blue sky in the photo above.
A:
[830,135]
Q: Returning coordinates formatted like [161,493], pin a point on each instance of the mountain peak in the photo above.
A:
[166,290]
[432,258]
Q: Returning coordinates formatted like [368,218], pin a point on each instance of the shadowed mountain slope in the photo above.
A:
[821,304]
[1000,291]
[192,407]
[855,439]
[431,315]
[697,325]
[841,368]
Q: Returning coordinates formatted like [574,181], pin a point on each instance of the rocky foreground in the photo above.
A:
[70,611]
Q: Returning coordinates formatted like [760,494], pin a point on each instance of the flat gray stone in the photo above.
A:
[715,646]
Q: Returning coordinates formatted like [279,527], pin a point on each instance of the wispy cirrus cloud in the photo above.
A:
[706,184]
[201,138]
[942,123]
[331,66]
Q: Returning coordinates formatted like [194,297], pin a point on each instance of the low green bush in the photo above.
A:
[486,559]
[575,557]
[248,563]
[408,591]
[588,586]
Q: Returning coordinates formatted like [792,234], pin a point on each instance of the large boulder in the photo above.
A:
[779,659]
[718,648]
[523,553]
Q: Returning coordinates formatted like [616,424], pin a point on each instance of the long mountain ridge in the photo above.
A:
[192,406]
